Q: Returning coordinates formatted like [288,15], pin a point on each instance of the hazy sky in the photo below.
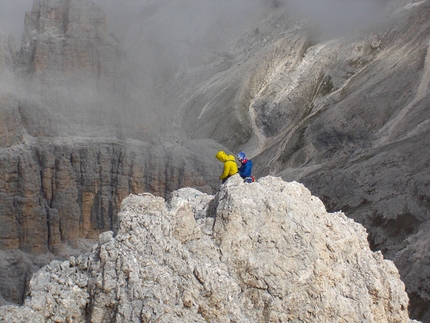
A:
[339,17]
[334,15]
[12,13]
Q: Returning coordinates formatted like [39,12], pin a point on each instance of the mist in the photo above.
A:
[160,38]
[165,33]
[12,15]
[339,18]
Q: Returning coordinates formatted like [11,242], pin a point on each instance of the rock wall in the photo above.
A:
[68,108]
[7,51]
[259,252]
[60,191]
[76,79]
[63,36]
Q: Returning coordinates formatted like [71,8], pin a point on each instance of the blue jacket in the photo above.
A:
[246,169]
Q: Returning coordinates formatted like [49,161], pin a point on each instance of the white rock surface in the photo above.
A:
[261,252]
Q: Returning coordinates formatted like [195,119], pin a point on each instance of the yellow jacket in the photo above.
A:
[230,166]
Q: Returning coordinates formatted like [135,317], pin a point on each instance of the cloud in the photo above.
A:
[161,36]
[179,28]
[12,16]
[339,17]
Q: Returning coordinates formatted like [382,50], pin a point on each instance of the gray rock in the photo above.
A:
[273,254]
[347,117]
[71,190]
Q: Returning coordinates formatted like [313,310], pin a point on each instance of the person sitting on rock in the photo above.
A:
[245,170]
[230,166]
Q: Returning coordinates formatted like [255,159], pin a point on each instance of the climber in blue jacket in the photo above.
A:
[245,170]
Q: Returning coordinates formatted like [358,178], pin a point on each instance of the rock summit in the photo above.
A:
[261,252]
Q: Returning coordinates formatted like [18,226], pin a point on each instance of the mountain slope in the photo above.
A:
[346,116]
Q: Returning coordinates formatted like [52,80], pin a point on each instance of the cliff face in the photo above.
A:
[61,191]
[64,36]
[68,60]
[75,78]
[66,162]
[7,51]
[265,251]
[65,190]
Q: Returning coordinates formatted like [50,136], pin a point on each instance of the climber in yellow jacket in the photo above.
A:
[230,166]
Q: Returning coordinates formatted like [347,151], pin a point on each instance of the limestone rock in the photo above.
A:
[346,117]
[65,37]
[77,78]
[12,130]
[55,193]
[77,185]
[271,253]
[7,52]
[16,270]
[68,60]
